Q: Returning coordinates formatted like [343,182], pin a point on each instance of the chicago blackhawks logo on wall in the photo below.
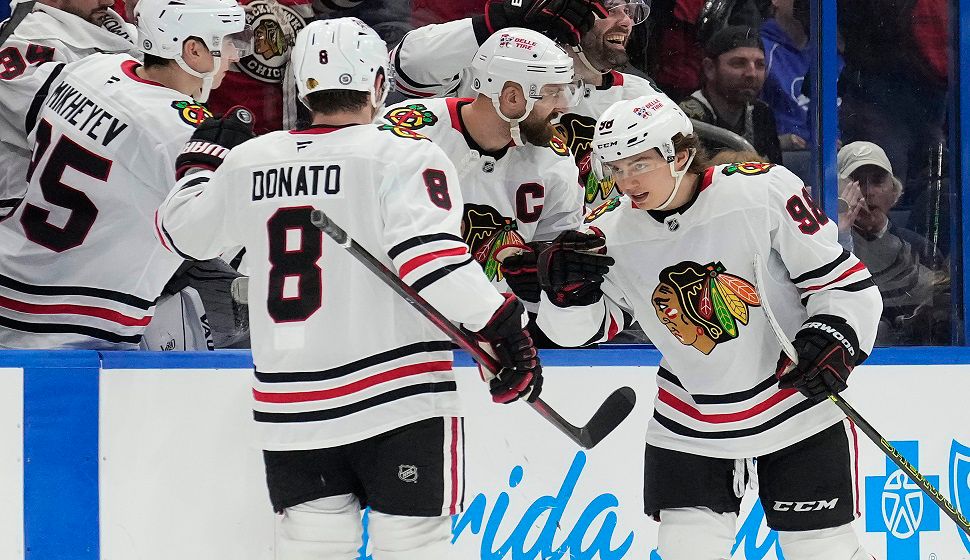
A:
[701,305]
[489,235]
[270,41]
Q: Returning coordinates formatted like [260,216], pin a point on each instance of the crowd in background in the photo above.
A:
[742,66]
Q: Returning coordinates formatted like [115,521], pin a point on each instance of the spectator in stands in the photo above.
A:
[894,84]
[734,72]
[898,258]
[54,30]
[787,59]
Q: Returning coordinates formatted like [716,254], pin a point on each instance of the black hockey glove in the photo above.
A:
[827,349]
[521,272]
[212,140]
[570,272]
[563,21]
[521,374]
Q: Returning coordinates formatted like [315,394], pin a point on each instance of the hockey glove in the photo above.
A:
[212,140]
[571,272]
[521,272]
[521,373]
[563,21]
[827,349]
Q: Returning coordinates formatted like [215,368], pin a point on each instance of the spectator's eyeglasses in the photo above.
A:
[637,11]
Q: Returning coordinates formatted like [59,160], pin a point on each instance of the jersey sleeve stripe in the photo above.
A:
[421,240]
[46,328]
[401,76]
[822,270]
[415,262]
[69,309]
[853,287]
[30,120]
[404,89]
[158,234]
[347,410]
[171,243]
[858,267]
[39,290]
[432,277]
[355,387]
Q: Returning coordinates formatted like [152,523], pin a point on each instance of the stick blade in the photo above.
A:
[610,414]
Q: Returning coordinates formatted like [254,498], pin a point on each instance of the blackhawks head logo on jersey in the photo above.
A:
[489,235]
[191,113]
[701,305]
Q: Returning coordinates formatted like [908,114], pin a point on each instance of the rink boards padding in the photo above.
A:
[149,456]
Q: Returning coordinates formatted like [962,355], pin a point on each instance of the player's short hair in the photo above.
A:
[154,60]
[331,101]
[690,142]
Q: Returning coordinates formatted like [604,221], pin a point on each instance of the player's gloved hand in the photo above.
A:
[212,140]
[571,271]
[521,271]
[563,21]
[512,346]
[827,349]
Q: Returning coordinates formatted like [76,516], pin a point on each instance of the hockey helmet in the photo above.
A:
[529,59]
[634,126]
[342,53]
[164,25]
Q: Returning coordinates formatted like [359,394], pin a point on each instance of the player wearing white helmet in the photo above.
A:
[106,133]
[697,255]
[434,60]
[355,399]
[518,180]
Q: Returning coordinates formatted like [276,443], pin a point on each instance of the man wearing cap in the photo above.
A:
[901,261]
[734,72]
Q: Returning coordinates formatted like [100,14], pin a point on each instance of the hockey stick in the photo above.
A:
[614,409]
[858,420]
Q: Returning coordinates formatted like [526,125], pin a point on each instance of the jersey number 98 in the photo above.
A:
[810,217]
[295,280]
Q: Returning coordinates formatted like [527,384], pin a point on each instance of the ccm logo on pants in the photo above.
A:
[806,506]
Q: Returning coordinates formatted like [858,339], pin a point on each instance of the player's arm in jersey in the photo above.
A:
[563,200]
[421,211]
[583,301]
[428,62]
[832,281]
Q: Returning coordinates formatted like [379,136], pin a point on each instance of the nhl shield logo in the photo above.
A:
[408,473]
[960,482]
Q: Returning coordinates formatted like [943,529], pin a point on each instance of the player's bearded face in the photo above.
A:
[93,11]
[537,128]
[605,44]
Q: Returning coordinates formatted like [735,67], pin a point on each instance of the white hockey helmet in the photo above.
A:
[634,126]
[164,25]
[342,53]
[527,58]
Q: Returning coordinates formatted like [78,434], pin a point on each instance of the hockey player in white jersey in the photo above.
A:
[518,180]
[80,266]
[434,60]
[686,248]
[355,398]
[55,30]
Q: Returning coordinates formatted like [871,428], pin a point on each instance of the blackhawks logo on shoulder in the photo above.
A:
[192,113]
[559,146]
[608,206]
[702,305]
[747,168]
[412,116]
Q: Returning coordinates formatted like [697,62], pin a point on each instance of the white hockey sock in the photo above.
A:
[326,528]
[837,543]
[397,537]
[695,533]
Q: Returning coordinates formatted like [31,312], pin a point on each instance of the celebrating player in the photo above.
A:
[62,31]
[699,255]
[436,60]
[517,180]
[80,265]
[355,398]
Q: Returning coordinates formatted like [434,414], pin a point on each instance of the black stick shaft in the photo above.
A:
[322,221]
[903,464]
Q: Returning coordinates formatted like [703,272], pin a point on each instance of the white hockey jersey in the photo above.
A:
[516,195]
[46,34]
[339,356]
[689,279]
[435,60]
[80,266]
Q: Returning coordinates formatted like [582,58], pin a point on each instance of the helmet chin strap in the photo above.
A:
[581,54]
[678,177]
[513,123]
[207,77]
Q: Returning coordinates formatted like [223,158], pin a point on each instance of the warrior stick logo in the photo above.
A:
[701,305]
